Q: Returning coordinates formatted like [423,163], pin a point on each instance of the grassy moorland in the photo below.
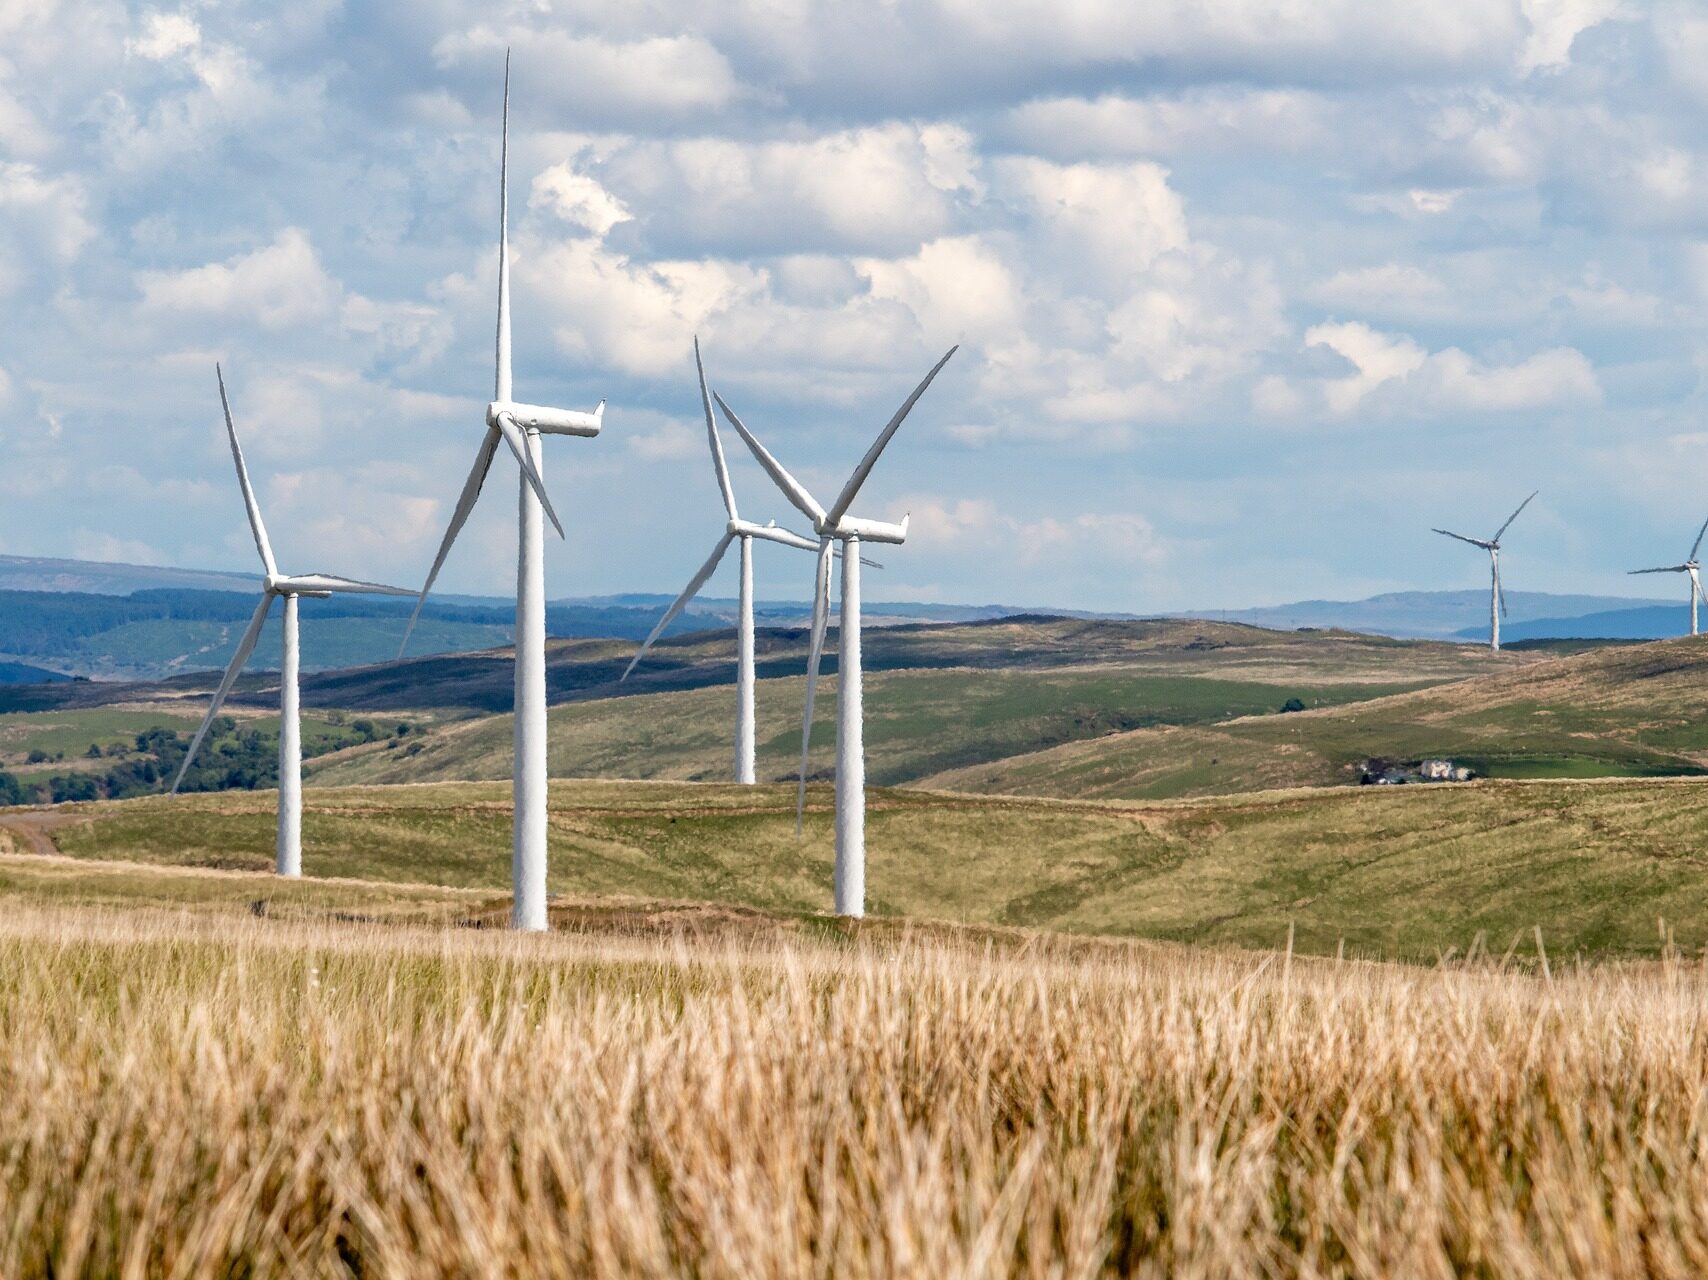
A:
[213,1094]
[917,723]
[937,697]
[1633,711]
[1407,873]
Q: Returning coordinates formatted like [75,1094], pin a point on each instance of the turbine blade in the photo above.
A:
[245,647]
[501,344]
[1500,592]
[792,488]
[681,601]
[870,563]
[1475,542]
[712,435]
[1671,568]
[845,499]
[459,517]
[1512,517]
[332,582]
[524,459]
[820,620]
[254,508]
[786,537]
[1697,545]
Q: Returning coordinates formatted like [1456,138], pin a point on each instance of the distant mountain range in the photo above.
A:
[1464,615]
[1645,622]
[66,618]
[62,618]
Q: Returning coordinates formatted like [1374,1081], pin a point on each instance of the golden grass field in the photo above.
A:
[207,1093]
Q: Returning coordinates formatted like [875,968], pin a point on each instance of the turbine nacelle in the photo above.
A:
[283,584]
[865,530]
[546,420]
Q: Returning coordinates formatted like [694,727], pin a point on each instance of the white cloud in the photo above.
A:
[276,287]
[411,333]
[654,438]
[42,216]
[955,287]
[1609,303]
[165,35]
[1393,285]
[357,522]
[1506,197]
[94,544]
[657,76]
[578,199]
[1223,118]
[951,525]
[1375,357]
[1554,24]
[884,188]
[1560,376]
[1408,378]
[637,316]
[1117,218]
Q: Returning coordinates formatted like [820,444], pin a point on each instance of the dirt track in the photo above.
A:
[32,828]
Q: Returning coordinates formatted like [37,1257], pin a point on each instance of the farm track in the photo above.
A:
[34,828]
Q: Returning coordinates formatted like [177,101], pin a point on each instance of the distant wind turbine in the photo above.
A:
[275,585]
[519,426]
[832,526]
[1691,567]
[746,531]
[1497,597]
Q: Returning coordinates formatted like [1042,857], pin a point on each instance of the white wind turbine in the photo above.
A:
[746,531]
[520,426]
[1691,567]
[1497,597]
[275,585]
[832,526]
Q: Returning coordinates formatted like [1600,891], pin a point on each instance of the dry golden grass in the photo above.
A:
[193,1095]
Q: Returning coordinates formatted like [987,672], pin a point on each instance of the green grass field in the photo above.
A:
[71,733]
[1398,872]
[1627,711]
[917,723]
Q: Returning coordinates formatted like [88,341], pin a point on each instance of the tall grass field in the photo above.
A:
[219,1093]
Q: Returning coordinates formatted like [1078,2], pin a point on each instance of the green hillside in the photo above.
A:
[1639,710]
[1405,872]
[936,697]
[917,723]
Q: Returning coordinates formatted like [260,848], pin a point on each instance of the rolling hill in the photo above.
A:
[936,696]
[1399,872]
[1638,710]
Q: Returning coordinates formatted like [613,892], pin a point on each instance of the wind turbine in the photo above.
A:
[519,426]
[1497,597]
[275,585]
[746,531]
[1691,567]
[832,526]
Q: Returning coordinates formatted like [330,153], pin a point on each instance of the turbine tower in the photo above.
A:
[746,531]
[1691,567]
[519,426]
[832,526]
[1497,597]
[275,585]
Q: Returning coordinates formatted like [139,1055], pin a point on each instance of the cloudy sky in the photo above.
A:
[1249,293]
